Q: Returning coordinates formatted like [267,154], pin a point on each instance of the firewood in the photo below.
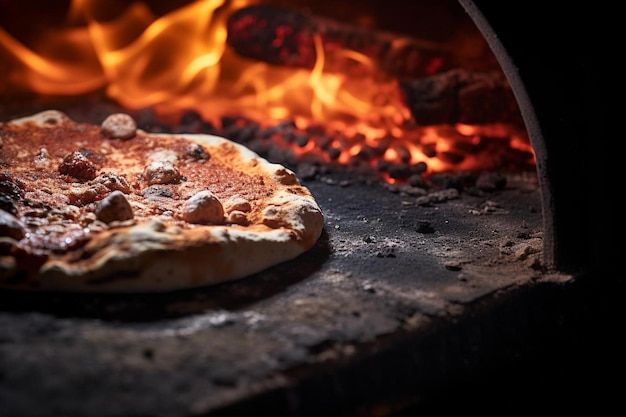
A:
[435,92]
[287,37]
[461,96]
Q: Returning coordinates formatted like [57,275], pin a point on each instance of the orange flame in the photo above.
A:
[181,60]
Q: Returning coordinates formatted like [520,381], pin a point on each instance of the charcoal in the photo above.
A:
[461,96]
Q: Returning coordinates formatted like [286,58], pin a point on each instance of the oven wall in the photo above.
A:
[559,62]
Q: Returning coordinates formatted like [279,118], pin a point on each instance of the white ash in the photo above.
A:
[438,197]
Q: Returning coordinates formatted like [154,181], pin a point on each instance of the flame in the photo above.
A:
[66,65]
[180,60]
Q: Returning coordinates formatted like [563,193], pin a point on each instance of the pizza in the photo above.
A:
[112,208]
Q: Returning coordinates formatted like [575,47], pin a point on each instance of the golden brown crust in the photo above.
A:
[85,211]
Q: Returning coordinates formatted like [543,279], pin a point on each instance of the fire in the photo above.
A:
[181,60]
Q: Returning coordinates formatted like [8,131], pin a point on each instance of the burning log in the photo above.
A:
[460,96]
[287,37]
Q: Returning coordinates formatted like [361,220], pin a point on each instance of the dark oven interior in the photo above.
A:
[443,262]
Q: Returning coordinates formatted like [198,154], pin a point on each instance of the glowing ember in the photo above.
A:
[181,60]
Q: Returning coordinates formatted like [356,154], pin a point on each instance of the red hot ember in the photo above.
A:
[313,149]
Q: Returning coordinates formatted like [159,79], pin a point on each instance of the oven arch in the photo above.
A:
[552,59]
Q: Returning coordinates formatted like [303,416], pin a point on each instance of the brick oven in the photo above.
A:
[439,284]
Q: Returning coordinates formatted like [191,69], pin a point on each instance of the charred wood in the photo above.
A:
[286,37]
[461,96]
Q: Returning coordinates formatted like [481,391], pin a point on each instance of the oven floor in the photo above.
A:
[399,307]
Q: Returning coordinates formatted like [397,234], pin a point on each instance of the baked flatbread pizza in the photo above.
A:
[112,208]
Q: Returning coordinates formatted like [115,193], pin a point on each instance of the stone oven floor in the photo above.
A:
[399,308]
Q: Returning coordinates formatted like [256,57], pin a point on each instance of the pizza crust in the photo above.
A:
[155,255]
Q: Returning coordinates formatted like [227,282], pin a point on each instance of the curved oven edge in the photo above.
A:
[556,62]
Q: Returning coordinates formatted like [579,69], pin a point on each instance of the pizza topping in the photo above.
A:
[8,186]
[162,172]
[7,204]
[203,208]
[56,238]
[119,126]
[10,226]
[9,193]
[82,195]
[197,152]
[112,182]
[157,192]
[78,166]
[114,207]
[68,212]
[94,157]
[42,159]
